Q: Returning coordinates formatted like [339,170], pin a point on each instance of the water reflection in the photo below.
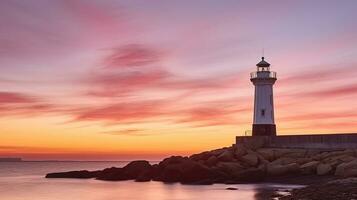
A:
[26,182]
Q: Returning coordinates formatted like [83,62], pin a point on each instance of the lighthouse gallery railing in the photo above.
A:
[266,74]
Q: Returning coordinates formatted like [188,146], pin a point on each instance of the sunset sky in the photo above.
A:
[130,79]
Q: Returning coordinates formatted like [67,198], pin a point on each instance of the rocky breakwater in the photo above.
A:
[236,164]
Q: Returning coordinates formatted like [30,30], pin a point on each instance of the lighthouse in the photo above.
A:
[263,80]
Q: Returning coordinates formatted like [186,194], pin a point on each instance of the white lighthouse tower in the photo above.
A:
[263,80]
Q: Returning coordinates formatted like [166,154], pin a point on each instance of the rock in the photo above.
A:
[276,170]
[338,158]
[171,173]
[211,161]
[201,156]
[140,170]
[185,171]
[251,159]
[279,170]
[83,174]
[226,156]
[302,161]
[312,152]
[229,167]
[231,188]
[172,160]
[136,168]
[144,176]
[323,169]
[217,152]
[284,161]
[309,168]
[296,153]
[239,151]
[347,169]
[111,174]
[262,160]
[293,168]
[219,176]
[343,189]
[268,154]
[250,175]
[325,155]
[281,152]
[192,172]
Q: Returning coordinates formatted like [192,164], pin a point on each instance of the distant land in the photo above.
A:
[10,160]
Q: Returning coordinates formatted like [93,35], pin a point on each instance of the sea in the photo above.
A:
[26,181]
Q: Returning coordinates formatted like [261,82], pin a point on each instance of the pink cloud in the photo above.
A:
[12,97]
[134,68]
[334,92]
[132,55]
[122,112]
[208,116]
[319,116]
[20,104]
[124,83]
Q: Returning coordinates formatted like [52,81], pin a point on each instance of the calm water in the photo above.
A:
[25,181]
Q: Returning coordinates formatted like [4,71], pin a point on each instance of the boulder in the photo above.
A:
[281,152]
[266,153]
[111,174]
[309,168]
[313,152]
[293,168]
[347,169]
[330,154]
[185,171]
[201,156]
[171,173]
[284,161]
[302,161]
[339,158]
[276,170]
[239,151]
[229,167]
[251,159]
[226,155]
[196,173]
[217,152]
[172,160]
[250,175]
[323,169]
[211,161]
[136,168]
[144,176]
[140,170]
[262,160]
[279,170]
[296,153]
[83,174]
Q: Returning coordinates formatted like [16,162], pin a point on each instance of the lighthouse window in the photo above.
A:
[262,112]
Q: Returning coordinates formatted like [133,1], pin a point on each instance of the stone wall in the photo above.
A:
[321,141]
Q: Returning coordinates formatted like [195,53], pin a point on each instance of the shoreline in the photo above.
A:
[244,164]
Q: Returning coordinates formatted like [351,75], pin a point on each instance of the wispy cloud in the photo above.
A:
[127,132]
[132,55]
